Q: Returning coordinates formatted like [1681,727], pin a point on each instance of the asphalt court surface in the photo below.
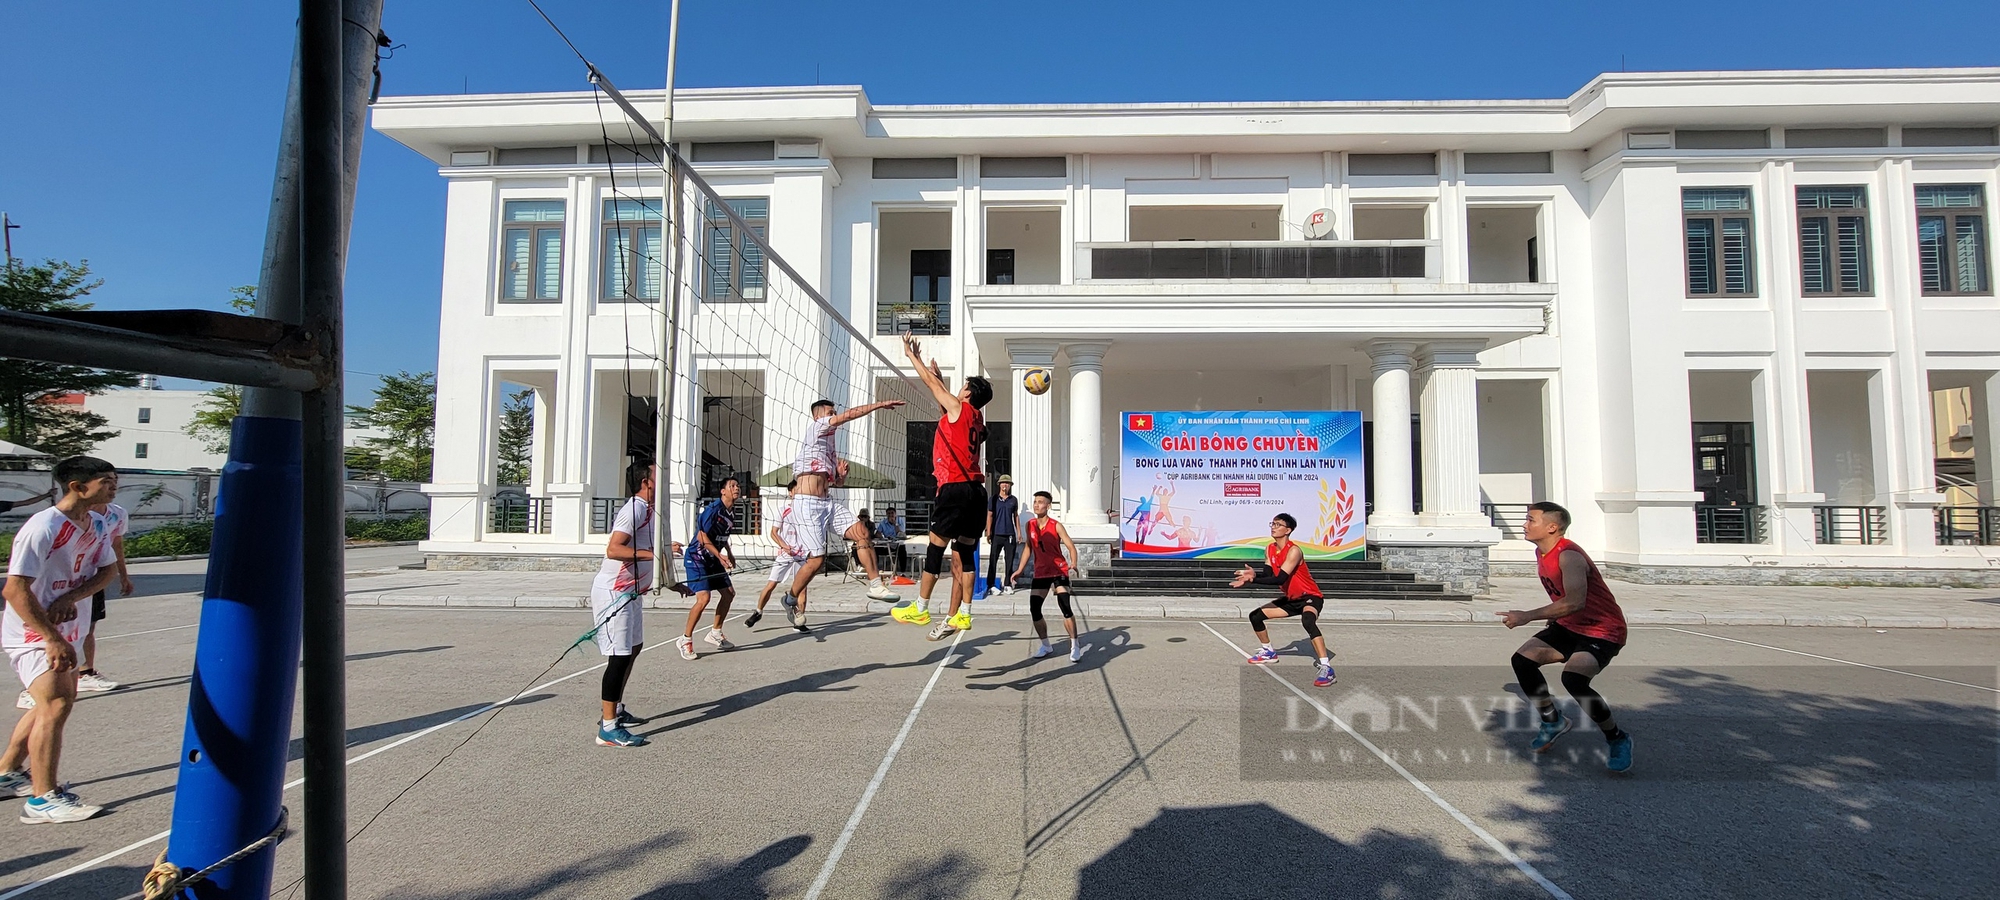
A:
[1150,769]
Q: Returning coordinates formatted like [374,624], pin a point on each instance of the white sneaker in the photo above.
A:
[879,591]
[1042,649]
[1076,651]
[715,637]
[17,783]
[26,701]
[56,806]
[686,645]
[93,683]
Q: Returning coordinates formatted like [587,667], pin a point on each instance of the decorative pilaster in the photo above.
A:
[1086,435]
[1034,419]
[1392,475]
[1451,434]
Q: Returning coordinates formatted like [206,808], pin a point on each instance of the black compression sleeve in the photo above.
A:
[1271,576]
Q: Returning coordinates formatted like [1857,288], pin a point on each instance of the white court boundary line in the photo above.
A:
[1845,662]
[106,637]
[874,784]
[1499,846]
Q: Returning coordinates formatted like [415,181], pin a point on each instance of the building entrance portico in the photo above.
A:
[1065,441]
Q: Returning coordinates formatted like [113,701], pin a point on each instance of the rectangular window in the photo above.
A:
[734,151]
[633,261]
[1392,164]
[1023,167]
[736,266]
[999,267]
[1951,239]
[1508,164]
[1836,137]
[1743,139]
[1833,241]
[916,167]
[139,451]
[1948,137]
[929,309]
[145,415]
[1721,245]
[531,244]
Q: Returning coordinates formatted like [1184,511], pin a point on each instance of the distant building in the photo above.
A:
[152,428]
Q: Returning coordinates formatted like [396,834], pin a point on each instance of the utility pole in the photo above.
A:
[7,225]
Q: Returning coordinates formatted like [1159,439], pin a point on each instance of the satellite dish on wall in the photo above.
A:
[1319,224]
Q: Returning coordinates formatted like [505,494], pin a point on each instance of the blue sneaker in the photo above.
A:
[1619,758]
[16,784]
[1325,678]
[627,720]
[1263,656]
[617,736]
[788,601]
[1550,731]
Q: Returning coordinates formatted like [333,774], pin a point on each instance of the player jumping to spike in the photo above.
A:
[959,514]
[817,470]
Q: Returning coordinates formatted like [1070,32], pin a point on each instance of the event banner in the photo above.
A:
[1207,484]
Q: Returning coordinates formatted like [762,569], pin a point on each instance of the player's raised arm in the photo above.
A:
[940,391]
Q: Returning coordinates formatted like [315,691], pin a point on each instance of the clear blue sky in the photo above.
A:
[140,136]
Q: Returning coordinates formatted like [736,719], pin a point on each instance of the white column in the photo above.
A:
[1034,419]
[1086,434]
[1450,406]
[1392,433]
[1986,436]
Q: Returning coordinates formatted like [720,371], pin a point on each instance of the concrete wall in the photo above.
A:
[902,232]
[1205,223]
[1497,243]
[155,498]
[1721,397]
[1035,236]
[1513,467]
[1843,438]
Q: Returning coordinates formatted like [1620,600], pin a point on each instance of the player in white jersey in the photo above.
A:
[615,606]
[59,560]
[814,515]
[114,520]
[783,567]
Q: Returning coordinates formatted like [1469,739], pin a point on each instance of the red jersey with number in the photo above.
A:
[1600,616]
[1046,544]
[1301,585]
[955,450]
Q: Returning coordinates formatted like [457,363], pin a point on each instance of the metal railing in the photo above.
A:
[515,514]
[1246,260]
[1510,518]
[604,511]
[1729,524]
[1979,525]
[1850,525]
[923,317]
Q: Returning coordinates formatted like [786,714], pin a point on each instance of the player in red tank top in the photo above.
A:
[1285,566]
[1586,629]
[958,515]
[1047,540]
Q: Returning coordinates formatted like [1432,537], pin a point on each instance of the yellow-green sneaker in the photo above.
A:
[962,621]
[911,614]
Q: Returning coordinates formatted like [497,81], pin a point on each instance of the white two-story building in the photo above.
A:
[1714,314]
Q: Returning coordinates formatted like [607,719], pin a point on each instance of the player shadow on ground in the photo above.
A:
[1253,850]
[789,634]
[742,881]
[146,585]
[826,681]
[1101,645]
[1741,789]
[28,861]
[379,654]
[946,876]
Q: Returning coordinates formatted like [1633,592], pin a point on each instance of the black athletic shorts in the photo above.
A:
[97,607]
[1043,584]
[1298,607]
[1569,643]
[960,511]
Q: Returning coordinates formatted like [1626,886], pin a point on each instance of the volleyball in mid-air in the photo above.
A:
[1036,380]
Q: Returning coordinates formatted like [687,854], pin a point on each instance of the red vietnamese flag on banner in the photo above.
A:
[1139,422]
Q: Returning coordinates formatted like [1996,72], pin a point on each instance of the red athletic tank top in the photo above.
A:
[1600,616]
[1046,544]
[1301,584]
[955,450]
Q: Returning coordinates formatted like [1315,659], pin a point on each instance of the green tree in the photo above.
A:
[405,410]
[517,437]
[212,418]
[29,413]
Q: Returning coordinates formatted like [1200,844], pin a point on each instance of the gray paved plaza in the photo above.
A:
[863,762]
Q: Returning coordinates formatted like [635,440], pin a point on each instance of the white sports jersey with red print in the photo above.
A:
[58,554]
[816,449]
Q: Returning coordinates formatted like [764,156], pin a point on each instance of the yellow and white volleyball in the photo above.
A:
[1036,380]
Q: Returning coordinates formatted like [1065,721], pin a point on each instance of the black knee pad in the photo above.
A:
[1529,674]
[965,551]
[1310,619]
[1257,618]
[1035,606]
[934,559]
[1578,686]
[1062,600]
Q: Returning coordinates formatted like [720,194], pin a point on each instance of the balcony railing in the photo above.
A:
[1510,518]
[1850,525]
[1259,260]
[1978,525]
[1728,524]
[923,317]
[604,511]
[515,514]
